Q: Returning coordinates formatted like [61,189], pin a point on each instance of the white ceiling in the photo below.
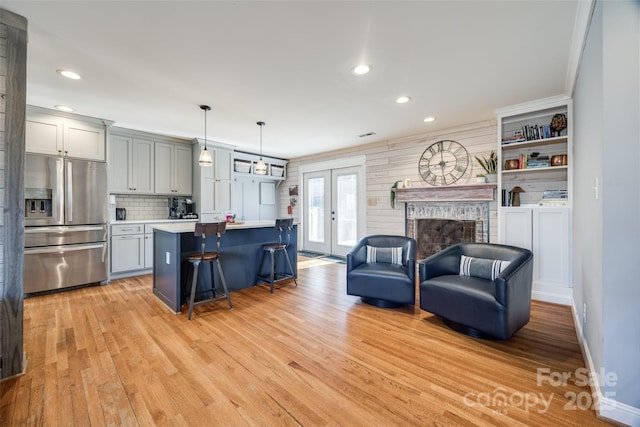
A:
[148,65]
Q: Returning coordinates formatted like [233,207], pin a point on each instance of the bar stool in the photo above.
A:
[273,249]
[205,230]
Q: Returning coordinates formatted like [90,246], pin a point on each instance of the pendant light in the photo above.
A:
[261,166]
[205,157]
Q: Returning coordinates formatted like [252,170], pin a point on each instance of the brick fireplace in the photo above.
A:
[438,217]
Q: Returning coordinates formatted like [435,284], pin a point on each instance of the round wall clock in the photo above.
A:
[443,162]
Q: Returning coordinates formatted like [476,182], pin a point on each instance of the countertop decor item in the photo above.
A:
[205,159]
[490,166]
[443,162]
[511,164]
[392,197]
[558,123]
[515,195]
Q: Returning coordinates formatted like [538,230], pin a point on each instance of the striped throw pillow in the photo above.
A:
[387,255]
[482,268]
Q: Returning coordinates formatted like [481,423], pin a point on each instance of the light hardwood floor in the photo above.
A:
[311,355]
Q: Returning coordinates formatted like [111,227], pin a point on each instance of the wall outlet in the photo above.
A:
[584,314]
[167,257]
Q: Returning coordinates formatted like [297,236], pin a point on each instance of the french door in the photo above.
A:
[332,211]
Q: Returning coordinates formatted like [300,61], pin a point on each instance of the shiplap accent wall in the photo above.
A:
[394,160]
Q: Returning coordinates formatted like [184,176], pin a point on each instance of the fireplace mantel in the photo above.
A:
[451,193]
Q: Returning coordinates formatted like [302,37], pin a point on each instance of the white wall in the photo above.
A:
[394,160]
[607,230]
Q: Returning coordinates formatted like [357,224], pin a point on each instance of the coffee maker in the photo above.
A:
[187,211]
[174,207]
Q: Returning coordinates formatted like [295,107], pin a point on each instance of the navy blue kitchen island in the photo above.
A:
[240,254]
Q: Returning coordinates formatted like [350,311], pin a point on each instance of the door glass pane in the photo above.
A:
[347,197]
[315,218]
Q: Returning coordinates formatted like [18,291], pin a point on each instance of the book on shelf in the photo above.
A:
[532,164]
[555,194]
[553,202]
[535,132]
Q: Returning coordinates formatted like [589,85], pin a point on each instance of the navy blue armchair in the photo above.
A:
[381,270]
[486,294]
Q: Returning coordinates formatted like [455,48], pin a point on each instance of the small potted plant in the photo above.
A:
[490,166]
[480,178]
[397,184]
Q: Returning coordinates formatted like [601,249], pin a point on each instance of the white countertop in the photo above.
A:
[189,227]
[151,221]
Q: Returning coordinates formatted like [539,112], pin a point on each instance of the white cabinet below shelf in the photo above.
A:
[546,231]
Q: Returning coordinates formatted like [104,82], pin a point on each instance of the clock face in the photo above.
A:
[443,163]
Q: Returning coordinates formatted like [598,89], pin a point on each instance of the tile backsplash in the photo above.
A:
[141,207]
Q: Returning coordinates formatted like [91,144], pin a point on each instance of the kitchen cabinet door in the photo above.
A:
[83,142]
[182,170]
[163,162]
[148,250]
[142,166]
[173,163]
[44,135]
[131,165]
[120,164]
[127,253]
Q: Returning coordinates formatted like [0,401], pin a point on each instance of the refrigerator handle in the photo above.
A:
[59,199]
[69,203]
[62,249]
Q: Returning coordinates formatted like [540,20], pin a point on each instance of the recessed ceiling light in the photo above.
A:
[403,99]
[69,74]
[63,108]
[361,69]
[429,119]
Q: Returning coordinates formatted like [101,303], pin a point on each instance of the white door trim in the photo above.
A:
[360,160]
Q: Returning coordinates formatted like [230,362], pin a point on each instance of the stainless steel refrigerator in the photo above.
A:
[65,223]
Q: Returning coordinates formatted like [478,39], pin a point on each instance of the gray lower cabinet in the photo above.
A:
[132,247]
[127,247]
[148,249]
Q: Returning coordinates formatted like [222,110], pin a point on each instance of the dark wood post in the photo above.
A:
[13,70]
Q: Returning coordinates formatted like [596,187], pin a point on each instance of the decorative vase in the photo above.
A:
[492,177]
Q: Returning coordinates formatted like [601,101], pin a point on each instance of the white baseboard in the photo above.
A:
[554,294]
[607,408]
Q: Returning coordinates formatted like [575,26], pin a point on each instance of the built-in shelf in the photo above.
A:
[530,170]
[534,143]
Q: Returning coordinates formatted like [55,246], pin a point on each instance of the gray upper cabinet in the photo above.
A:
[131,162]
[57,135]
[212,185]
[173,164]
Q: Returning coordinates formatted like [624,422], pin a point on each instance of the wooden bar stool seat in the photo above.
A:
[272,249]
[204,231]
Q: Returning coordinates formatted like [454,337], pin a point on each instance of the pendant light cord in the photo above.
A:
[261,124]
[205,108]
